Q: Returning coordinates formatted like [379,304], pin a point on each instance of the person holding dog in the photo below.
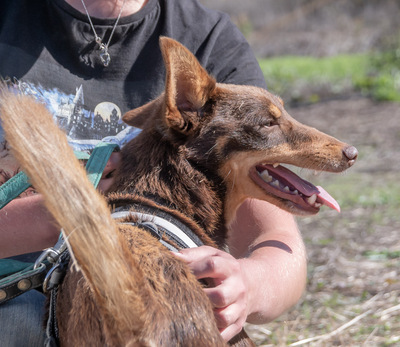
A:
[103,56]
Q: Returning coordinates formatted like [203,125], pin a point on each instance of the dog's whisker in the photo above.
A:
[208,153]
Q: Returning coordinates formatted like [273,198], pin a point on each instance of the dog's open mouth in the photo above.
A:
[286,185]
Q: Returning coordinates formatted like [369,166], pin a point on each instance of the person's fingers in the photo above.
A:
[218,296]
[199,253]
[208,263]
[228,292]
[107,178]
[228,295]
[105,184]
[232,330]
[230,321]
[112,164]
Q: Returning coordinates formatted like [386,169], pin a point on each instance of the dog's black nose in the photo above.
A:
[351,153]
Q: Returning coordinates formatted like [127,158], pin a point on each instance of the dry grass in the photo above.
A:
[353,292]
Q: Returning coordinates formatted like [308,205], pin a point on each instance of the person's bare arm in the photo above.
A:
[264,275]
[268,244]
[26,226]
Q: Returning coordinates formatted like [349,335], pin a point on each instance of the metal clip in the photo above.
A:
[51,254]
[155,230]
[49,282]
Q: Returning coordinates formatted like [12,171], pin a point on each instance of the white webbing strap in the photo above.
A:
[173,229]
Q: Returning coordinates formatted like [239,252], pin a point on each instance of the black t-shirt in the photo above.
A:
[49,42]
[47,48]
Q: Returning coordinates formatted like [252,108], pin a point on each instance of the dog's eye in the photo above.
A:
[267,124]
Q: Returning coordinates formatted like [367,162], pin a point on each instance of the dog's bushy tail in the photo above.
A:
[44,154]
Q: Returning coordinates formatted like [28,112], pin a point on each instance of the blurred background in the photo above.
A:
[336,64]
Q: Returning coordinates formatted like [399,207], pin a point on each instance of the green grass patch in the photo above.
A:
[297,77]
[382,255]
[329,69]
[310,79]
[363,190]
[382,79]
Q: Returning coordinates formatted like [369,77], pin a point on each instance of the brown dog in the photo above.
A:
[205,147]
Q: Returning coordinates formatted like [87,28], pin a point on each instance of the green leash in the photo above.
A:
[94,167]
[17,277]
[13,188]
[98,160]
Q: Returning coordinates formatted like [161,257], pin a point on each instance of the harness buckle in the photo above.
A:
[53,278]
[153,229]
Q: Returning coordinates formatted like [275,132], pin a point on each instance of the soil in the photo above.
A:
[373,127]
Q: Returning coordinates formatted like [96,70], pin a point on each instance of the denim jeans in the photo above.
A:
[21,321]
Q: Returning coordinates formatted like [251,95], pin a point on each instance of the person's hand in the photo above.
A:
[228,290]
[107,178]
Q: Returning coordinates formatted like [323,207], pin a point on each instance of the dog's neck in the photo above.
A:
[152,167]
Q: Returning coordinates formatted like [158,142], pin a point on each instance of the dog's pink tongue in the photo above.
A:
[325,199]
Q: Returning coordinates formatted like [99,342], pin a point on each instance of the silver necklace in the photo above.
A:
[104,55]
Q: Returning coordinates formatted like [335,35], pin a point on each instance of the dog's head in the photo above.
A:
[241,133]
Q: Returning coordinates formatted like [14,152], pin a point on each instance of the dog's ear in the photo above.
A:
[188,86]
[135,118]
[139,116]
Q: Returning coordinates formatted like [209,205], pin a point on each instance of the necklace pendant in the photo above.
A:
[105,56]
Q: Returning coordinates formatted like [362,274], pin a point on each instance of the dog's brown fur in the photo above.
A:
[200,141]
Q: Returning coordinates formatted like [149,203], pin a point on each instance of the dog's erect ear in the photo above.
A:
[188,85]
[187,88]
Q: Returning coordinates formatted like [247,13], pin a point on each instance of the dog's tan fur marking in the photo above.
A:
[274,111]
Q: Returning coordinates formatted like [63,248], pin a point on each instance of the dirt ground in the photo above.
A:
[353,292]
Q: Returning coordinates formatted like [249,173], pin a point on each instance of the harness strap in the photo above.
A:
[154,231]
[175,230]
[22,281]
[52,338]
[53,279]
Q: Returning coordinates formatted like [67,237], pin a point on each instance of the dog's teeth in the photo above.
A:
[317,204]
[296,192]
[265,176]
[312,199]
[275,183]
[275,165]
[286,189]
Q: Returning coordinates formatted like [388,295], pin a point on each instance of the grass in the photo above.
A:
[363,190]
[311,79]
[357,189]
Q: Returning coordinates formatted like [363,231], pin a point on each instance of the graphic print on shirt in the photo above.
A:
[84,128]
